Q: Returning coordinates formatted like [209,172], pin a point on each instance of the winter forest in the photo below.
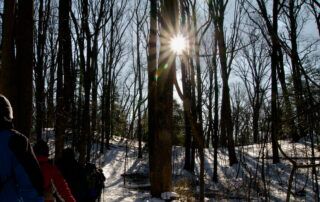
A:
[185,100]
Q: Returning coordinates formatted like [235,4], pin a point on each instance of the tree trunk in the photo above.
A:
[39,67]
[226,119]
[274,87]
[104,91]
[289,120]
[8,86]
[64,79]
[139,69]
[296,73]
[109,81]
[215,138]
[199,122]
[152,92]
[24,80]
[186,86]
[272,28]
[51,81]
[160,175]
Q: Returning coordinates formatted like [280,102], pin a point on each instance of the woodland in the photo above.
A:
[243,72]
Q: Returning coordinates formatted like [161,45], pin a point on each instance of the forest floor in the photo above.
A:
[241,182]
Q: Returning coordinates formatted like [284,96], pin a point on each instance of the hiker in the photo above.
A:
[74,174]
[20,174]
[95,182]
[53,180]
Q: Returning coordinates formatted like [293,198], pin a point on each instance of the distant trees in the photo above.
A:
[217,12]
[40,69]
[64,78]
[247,76]
[252,68]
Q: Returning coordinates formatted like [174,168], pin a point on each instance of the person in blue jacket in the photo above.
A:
[20,174]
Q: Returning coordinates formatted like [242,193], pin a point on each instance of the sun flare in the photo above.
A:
[178,44]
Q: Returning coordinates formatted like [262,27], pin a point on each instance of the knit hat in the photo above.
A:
[6,114]
[41,148]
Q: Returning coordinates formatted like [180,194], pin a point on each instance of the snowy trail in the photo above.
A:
[113,167]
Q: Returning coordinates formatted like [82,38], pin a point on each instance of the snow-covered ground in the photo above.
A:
[236,183]
[113,163]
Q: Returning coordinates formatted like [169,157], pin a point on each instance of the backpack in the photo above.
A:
[95,181]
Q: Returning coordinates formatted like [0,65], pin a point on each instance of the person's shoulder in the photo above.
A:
[18,140]
[18,135]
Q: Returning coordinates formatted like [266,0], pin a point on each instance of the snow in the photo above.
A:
[237,182]
[113,163]
[127,176]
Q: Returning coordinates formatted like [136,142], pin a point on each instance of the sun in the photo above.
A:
[178,44]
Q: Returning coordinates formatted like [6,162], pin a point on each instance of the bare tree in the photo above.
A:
[292,12]
[217,12]
[252,69]
[140,20]
[160,171]
[39,71]
[152,90]
[272,29]
[63,76]
[314,7]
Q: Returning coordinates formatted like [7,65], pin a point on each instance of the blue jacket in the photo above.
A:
[20,175]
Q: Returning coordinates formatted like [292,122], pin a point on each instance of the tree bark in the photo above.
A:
[152,92]
[296,73]
[64,86]
[8,86]
[226,119]
[39,67]
[160,172]
[24,65]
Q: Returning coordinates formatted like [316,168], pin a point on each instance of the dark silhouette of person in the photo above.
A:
[20,175]
[74,174]
[53,180]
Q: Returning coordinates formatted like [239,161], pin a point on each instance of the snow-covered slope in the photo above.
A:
[236,183]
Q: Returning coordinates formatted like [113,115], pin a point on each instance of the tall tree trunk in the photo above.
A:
[215,138]
[274,86]
[226,119]
[152,92]
[160,175]
[272,28]
[94,80]
[39,78]
[64,78]
[39,67]
[8,86]
[24,80]
[109,80]
[51,81]
[186,86]
[187,112]
[288,113]
[296,73]
[139,69]
[86,130]
[256,114]
[199,122]
[104,91]
[94,94]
